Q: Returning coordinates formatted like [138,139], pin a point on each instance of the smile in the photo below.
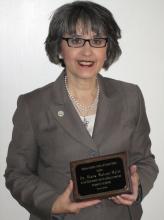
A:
[86,63]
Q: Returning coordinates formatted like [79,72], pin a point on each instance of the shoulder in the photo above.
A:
[120,88]
[34,103]
[40,99]
[117,84]
[40,92]
[46,93]
[127,94]
[38,96]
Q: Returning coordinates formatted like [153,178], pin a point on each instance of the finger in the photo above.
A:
[134,173]
[124,201]
[77,211]
[116,200]
[133,196]
[134,180]
[75,207]
[86,204]
[130,198]
[134,188]
[69,189]
[133,170]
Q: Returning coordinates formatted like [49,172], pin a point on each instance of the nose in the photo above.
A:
[87,49]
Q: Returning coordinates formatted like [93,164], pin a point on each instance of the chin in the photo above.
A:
[87,75]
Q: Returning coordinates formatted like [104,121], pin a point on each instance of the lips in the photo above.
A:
[85,63]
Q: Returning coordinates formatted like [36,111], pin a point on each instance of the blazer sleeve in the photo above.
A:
[33,193]
[141,149]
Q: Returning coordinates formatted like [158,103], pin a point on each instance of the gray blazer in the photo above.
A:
[44,142]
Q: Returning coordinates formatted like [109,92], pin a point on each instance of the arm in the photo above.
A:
[141,150]
[22,180]
[145,171]
[32,192]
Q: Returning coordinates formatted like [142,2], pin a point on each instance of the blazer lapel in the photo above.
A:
[108,112]
[65,113]
[109,109]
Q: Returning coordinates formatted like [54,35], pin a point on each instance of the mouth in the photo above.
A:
[85,63]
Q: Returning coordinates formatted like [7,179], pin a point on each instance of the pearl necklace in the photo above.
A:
[82,109]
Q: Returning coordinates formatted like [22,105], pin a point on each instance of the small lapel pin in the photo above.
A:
[60,113]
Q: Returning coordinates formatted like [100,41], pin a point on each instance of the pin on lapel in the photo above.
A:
[60,113]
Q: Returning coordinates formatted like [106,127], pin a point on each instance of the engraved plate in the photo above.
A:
[100,177]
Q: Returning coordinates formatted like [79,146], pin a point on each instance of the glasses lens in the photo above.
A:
[98,42]
[75,42]
[79,42]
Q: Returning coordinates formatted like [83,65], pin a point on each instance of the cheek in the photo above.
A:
[68,56]
[102,56]
[68,60]
[102,53]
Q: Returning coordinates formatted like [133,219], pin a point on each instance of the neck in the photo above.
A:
[83,89]
[83,97]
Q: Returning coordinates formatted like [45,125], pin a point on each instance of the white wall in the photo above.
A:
[24,67]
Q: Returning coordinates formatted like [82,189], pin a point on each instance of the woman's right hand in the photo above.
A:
[63,203]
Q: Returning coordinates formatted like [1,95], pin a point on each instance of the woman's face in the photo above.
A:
[84,62]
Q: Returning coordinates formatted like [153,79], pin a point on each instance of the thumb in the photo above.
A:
[69,189]
[133,170]
[134,175]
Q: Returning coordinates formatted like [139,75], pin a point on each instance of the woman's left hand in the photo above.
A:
[129,199]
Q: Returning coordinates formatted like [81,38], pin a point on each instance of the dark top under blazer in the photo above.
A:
[43,144]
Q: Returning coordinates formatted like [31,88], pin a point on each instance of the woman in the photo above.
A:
[80,115]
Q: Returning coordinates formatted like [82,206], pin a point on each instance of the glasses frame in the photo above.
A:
[85,40]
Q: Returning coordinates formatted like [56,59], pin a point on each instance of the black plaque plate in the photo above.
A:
[100,177]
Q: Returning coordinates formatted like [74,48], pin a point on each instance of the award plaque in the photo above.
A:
[100,177]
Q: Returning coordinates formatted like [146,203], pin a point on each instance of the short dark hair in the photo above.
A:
[93,17]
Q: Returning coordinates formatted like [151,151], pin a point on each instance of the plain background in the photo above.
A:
[24,66]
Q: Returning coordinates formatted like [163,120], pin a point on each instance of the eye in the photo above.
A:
[76,41]
[98,41]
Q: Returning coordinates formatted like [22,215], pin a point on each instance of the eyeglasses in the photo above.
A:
[76,42]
